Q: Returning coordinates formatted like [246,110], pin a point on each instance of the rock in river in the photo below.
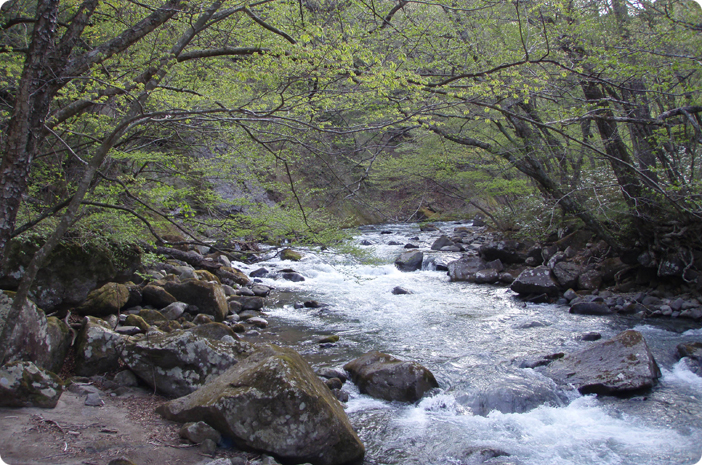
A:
[410,261]
[273,402]
[386,377]
[618,365]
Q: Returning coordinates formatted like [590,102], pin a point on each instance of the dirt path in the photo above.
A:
[73,433]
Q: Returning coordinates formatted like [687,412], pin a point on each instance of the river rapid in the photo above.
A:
[473,338]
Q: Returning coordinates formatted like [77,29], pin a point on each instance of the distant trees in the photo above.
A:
[597,102]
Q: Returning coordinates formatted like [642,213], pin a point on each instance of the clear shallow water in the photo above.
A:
[472,337]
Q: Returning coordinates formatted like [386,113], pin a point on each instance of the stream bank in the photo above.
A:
[474,338]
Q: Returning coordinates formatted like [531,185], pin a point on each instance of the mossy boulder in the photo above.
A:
[71,271]
[36,338]
[179,362]
[209,297]
[152,317]
[104,301]
[169,326]
[23,384]
[273,402]
[215,331]
[138,321]
[204,275]
[386,377]
[232,276]
[98,347]
[289,254]
[157,296]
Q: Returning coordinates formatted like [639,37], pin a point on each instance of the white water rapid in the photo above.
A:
[487,410]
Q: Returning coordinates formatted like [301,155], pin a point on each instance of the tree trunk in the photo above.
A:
[25,128]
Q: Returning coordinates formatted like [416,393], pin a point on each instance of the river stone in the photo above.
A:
[179,362]
[259,273]
[257,322]
[441,242]
[566,274]
[36,338]
[137,321]
[507,251]
[464,269]
[535,281]
[151,316]
[232,276]
[590,280]
[248,303]
[409,261]
[174,310]
[107,300]
[273,402]
[214,331]
[590,308]
[98,347]
[329,372]
[289,254]
[618,365]
[23,384]
[508,390]
[386,377]
[207,295]
[156,296]
[198,431]
[293,276]
[693,352]
[487,276]
[398,290]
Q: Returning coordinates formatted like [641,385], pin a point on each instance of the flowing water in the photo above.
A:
[472,337]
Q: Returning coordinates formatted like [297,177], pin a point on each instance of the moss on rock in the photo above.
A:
[107,300]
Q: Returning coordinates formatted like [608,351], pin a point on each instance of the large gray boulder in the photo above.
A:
[465,268]
[618,365]
[535,281]
[207,295]
[23,384]
[273,402]
[410,261]
[179,362]
[98,347]
[36,338]
[386,377]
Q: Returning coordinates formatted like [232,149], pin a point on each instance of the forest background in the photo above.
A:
[177,121]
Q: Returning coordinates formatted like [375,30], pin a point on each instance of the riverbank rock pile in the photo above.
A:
[575,270]
[179,332]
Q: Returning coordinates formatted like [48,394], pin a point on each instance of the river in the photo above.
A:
[472,337]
